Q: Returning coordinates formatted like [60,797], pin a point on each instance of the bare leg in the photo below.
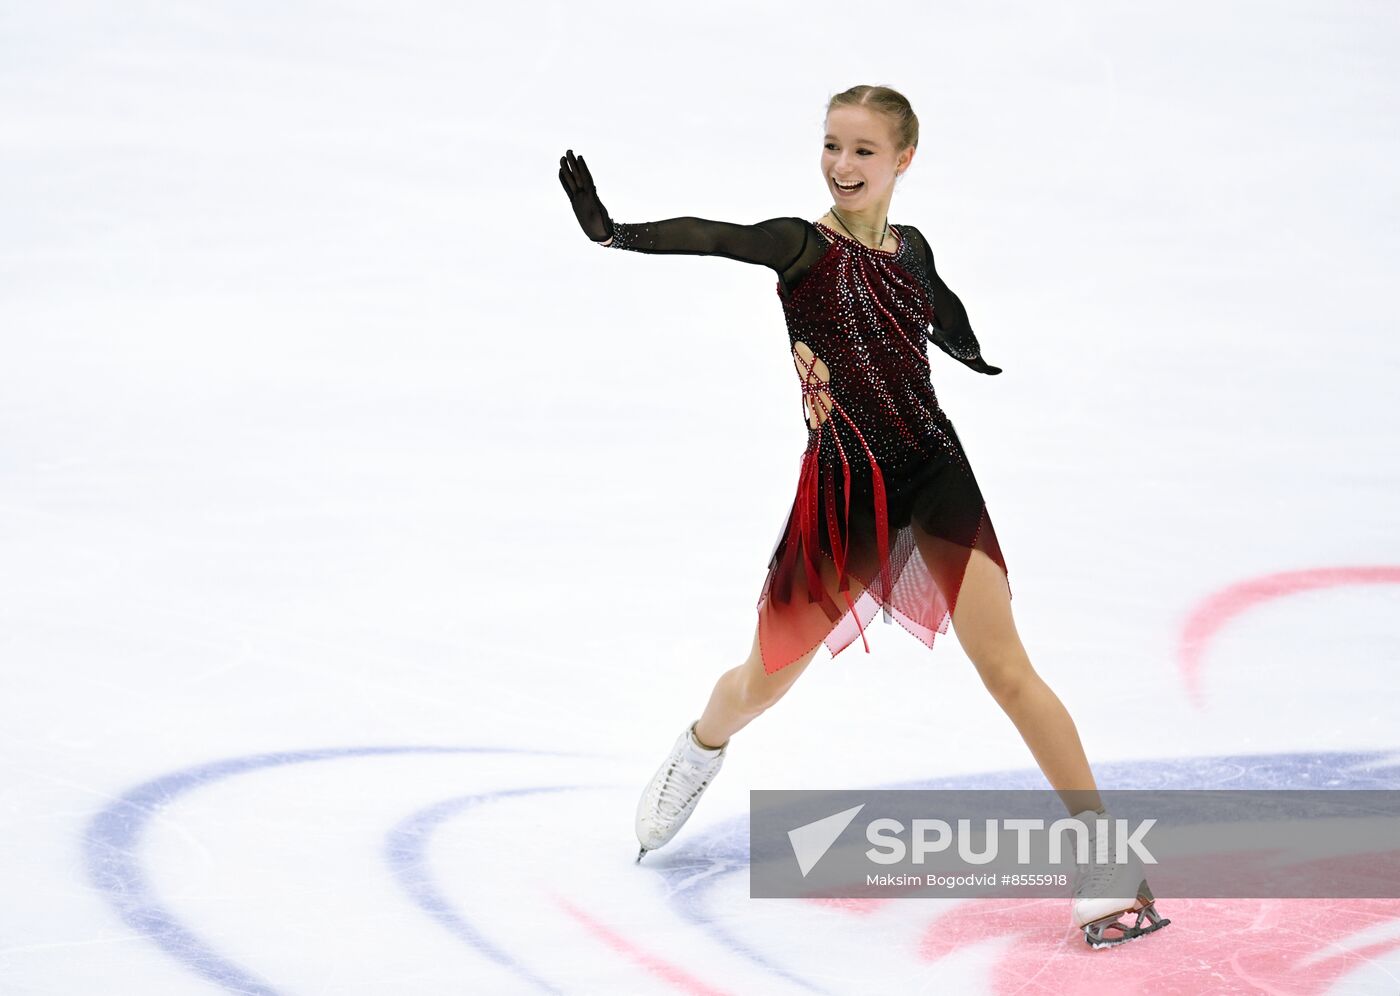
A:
[742,693]
[985,628]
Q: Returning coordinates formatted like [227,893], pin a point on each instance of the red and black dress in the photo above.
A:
[885,494]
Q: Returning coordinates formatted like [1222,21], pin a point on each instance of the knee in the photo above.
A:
[1006,677]
[756,690]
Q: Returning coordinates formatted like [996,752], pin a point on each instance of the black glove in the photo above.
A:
[578,184]
[966,352]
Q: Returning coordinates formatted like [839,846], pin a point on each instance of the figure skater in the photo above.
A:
[888,512]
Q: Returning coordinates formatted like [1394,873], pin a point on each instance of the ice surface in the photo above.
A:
[331,451]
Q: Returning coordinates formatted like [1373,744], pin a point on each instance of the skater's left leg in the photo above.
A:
[1112,903]
[984,625]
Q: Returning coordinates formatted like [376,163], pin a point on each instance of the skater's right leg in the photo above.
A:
[743,693]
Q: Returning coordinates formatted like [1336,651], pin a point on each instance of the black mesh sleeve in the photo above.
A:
[950,330]
[775,243]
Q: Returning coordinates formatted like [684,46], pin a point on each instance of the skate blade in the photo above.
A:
[1094,933]
[639,855]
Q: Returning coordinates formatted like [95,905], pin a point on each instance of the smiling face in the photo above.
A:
[860,161]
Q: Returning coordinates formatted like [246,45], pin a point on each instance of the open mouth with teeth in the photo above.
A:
[848,188]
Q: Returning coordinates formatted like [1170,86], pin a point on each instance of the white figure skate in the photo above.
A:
[673,792]
[1106,892]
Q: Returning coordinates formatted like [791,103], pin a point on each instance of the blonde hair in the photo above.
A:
[888,101]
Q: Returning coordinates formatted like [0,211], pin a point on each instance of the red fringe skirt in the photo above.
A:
[905,533]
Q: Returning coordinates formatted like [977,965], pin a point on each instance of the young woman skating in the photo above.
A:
[887,504]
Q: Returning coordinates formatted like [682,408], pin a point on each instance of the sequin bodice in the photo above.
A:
[863,312]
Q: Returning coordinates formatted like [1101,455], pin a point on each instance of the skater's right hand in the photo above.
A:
[578,184]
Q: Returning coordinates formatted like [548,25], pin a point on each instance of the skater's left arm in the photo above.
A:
[951,330]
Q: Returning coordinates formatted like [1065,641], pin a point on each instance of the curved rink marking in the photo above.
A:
[112,840]
[1217,610]
[406,848]
[113,837]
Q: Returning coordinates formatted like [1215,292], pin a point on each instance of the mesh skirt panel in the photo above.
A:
[936,517]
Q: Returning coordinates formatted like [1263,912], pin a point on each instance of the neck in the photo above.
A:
[867,222]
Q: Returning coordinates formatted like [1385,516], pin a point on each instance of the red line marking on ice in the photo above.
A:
[858,905]
[1216,610]
[673,974]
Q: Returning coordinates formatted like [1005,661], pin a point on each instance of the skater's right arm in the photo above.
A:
[775,243]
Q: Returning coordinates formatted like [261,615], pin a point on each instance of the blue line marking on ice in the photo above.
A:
[406,851]
[113,838]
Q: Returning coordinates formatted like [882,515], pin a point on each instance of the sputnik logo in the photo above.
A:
[812,840]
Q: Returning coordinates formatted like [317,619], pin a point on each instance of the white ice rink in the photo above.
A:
[367,536]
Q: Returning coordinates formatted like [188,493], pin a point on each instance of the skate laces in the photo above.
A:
[681,784]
